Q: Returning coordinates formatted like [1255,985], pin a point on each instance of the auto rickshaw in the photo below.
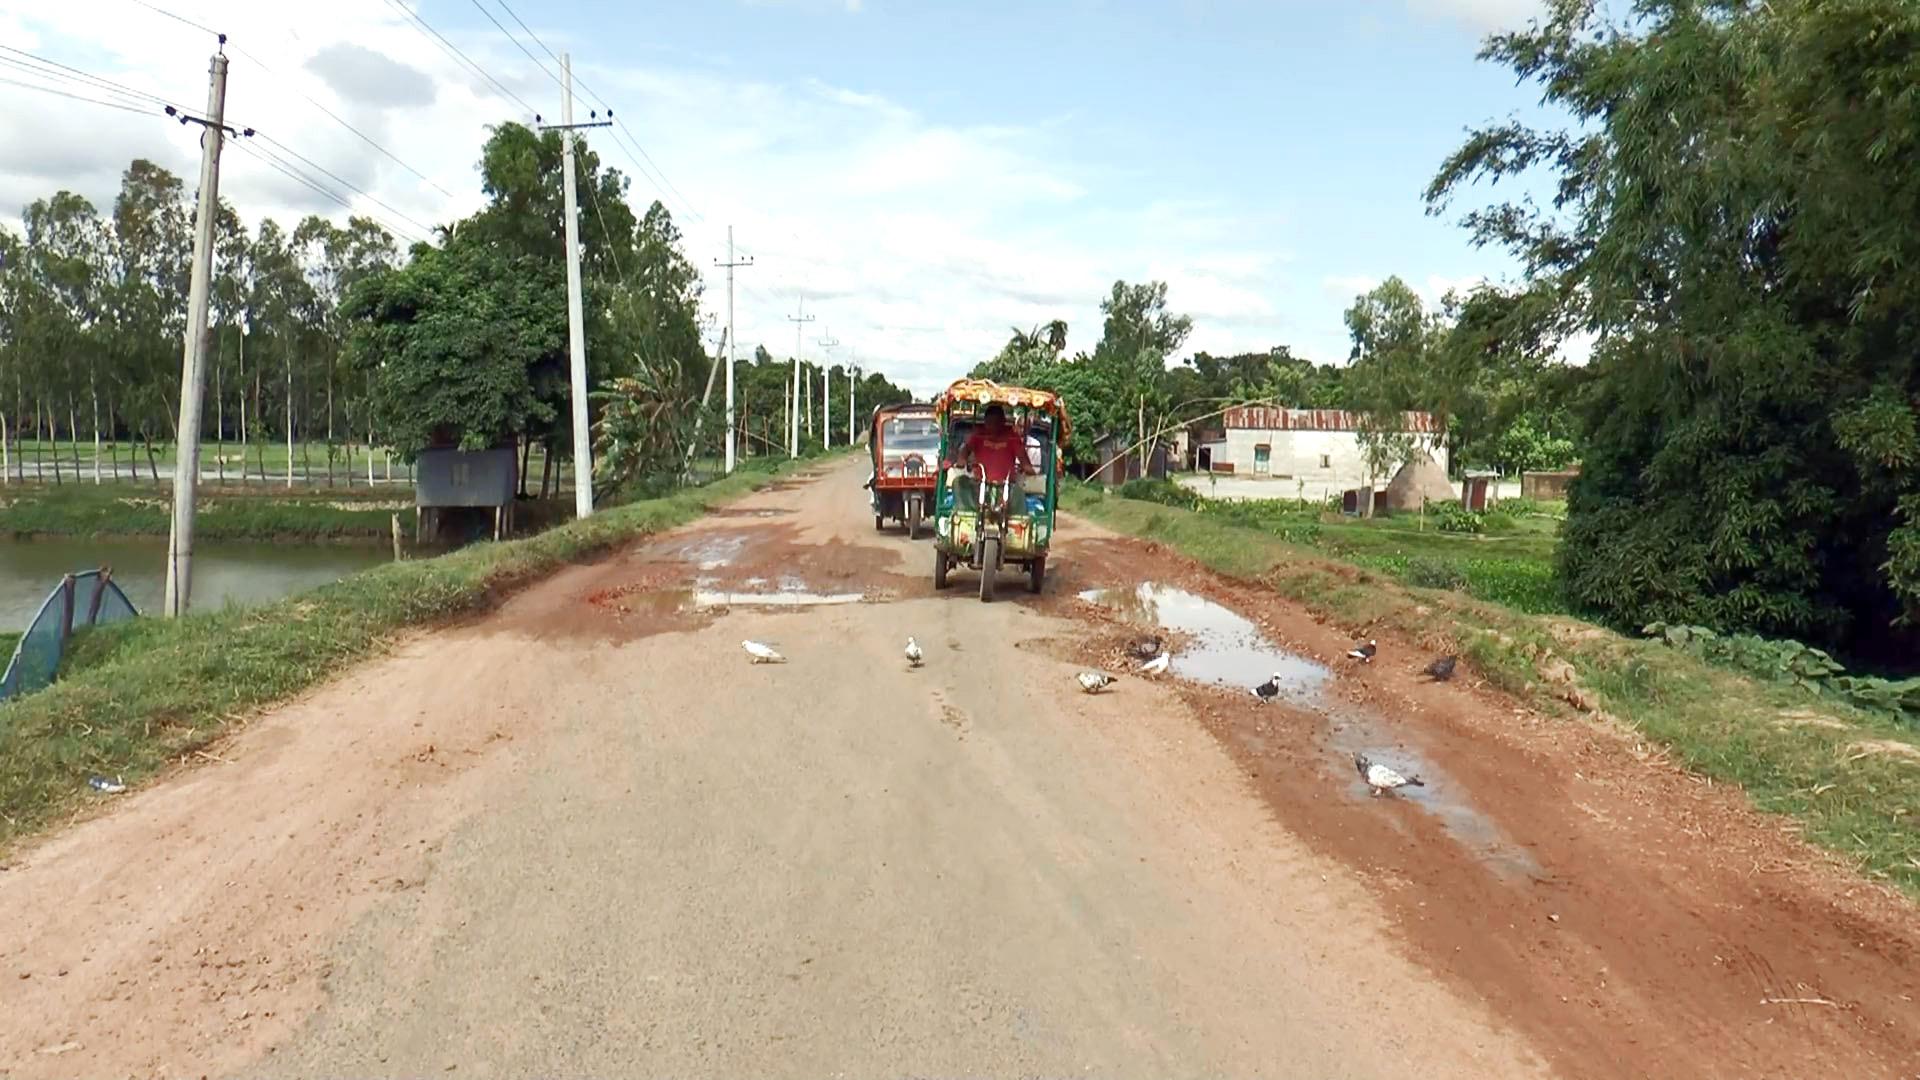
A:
[905,446]
[984,526]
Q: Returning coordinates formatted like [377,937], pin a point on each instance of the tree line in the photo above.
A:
[1486,364]
[330,336]
[1735,188]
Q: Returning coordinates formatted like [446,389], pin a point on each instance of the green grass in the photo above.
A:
[1510,563]
[140,694]
[222,513]
[1715,722]
[8,639]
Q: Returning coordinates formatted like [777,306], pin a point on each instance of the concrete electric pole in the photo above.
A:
[794,385]
[730,264]
[827,345]
[193,370]
[576,319]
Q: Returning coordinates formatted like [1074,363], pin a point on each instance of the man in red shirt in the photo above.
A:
[999,449]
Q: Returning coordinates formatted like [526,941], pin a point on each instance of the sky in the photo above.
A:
[919,176]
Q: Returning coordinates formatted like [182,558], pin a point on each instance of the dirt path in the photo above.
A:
[584,836]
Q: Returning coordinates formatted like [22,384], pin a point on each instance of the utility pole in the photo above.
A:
[827,344]
[793,416]
[730,264]
[852,375]
[576,319]
[193,372]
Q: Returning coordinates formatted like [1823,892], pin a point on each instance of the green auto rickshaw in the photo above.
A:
[986,526]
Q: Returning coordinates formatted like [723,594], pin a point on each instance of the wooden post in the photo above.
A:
[396,538]
[66,598]
[100,581]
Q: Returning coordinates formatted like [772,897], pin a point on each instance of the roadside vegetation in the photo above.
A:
[302,514]
[136,696]
[1851,774]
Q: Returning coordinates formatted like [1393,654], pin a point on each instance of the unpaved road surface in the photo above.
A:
[584,836]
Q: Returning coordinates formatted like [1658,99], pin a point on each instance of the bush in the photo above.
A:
[1429,573]
[1164,492]
[1792,662]
[1455,518]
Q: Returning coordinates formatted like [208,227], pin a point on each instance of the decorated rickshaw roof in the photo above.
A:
[983,392]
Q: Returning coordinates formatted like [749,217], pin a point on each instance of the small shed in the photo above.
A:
[474,485]
[1477,491]
[1115,465]
[1419,482]
[1546,485]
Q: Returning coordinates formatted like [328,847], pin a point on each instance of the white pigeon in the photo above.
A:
[1094,681]
[1364,653]
[762,653]
[1380,778]
[1157,665]
[913,653]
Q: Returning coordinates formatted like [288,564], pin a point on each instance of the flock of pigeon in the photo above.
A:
[1155,660]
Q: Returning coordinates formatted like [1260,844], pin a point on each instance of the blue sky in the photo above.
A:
[930,173]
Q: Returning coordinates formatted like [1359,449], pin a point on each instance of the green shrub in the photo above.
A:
[1454,518]
[1792,662]
[1429,573]
[1164,492]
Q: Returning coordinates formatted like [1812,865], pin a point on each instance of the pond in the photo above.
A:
[223,573]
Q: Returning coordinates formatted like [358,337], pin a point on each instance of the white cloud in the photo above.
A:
[917,243]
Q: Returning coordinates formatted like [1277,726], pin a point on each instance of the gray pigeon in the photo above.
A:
[1442,669]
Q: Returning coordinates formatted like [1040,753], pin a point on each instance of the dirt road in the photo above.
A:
[584,836]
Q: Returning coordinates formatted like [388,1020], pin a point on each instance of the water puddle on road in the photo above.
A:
[1222,647]
[1226,649]
[787,592]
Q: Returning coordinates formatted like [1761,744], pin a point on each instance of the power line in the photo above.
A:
[348,184]
[424,25]
[123,107]
[293,172]
[176,18]
[75,74]
[361,135]
[536,37]
[517,45]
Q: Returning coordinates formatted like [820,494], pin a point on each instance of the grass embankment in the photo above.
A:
[256,513]
[1812,758]
[141,694]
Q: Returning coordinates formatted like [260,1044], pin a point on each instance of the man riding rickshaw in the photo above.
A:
[1000,454]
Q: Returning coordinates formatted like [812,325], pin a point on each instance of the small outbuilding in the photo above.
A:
[1419,482]
[464,494]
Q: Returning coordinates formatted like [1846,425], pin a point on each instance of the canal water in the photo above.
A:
[223,573]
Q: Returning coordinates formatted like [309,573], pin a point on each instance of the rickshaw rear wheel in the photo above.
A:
[1036,574]
[879,522]
[941,564]
[913,518]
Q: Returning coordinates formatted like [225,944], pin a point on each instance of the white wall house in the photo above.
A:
[1311,451]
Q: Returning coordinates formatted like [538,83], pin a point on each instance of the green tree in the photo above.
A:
[1730,188]
[451,342]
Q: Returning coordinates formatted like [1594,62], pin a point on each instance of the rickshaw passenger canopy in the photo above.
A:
[984,392]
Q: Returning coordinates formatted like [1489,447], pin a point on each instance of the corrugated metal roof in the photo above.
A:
[1270,418]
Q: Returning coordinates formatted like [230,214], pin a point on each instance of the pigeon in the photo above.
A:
[1268,690]
[913,653]
[1146,648]
[1094,681]
[1157,665]
[1380,778]
[1364,653]
[762,653]
[1442,669]
[105,786]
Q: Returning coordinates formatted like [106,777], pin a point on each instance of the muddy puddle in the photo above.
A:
[1221,647]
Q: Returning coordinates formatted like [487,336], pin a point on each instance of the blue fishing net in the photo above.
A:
[95,601]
